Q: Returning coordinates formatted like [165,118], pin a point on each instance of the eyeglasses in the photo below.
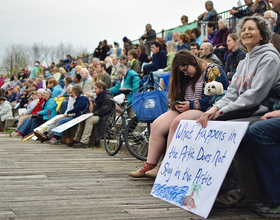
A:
[185,69]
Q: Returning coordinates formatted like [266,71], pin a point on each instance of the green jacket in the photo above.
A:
[136,66]
[131,80]
[170,58]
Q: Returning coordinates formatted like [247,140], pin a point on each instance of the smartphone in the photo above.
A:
[176,102]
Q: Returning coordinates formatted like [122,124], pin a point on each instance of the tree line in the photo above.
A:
[24,56]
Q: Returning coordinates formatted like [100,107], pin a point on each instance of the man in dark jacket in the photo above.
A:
[101,108]
[276,7]
[159,59]
[149,36]
[206,51]
[243,12]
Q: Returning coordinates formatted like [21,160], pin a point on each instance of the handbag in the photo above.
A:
[35,116]
[149,104]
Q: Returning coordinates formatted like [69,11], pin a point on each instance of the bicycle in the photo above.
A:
[119,128]
[114,133]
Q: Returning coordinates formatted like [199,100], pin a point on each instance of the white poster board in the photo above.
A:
[71,123]
[196,164]
[47,123]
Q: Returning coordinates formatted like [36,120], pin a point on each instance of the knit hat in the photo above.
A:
[124,39]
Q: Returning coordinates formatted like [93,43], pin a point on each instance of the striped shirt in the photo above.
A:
[197,94]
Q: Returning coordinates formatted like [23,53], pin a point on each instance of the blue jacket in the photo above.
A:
[185,46]
[49,109]
[232,62]
[131,80]
[159,60]
[81,106]
[56,91]
[12,97]
[213,73]
[246,12]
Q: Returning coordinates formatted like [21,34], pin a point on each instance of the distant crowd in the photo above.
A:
[243,59]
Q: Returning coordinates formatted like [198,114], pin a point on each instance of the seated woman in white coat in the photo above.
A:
[5,111]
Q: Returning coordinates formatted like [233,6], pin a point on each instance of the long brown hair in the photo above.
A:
[256,2]
[178,81]
[276,41]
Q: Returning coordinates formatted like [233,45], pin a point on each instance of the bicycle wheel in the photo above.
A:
[113,133]
[136,138]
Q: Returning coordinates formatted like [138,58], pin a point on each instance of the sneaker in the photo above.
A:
[12,133]
[81,145]
[232,198]
[270,211]
[257,206]
[54,141]
[42,137]
[16,135]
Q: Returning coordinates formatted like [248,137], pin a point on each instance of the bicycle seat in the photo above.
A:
[125,91]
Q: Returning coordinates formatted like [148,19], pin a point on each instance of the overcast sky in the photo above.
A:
[84,23]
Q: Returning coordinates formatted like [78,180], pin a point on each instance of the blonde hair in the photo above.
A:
[85,65]
[98,79]
[62,69]
[78,68]
[171,47]
[80,62]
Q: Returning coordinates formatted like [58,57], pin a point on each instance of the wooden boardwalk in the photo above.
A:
[42,181]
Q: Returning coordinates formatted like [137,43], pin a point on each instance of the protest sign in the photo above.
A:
[58,101]
[71,123]
[41,128]
[196,164]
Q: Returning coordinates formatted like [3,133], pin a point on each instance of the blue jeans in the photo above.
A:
[165,78]
[29,124]
[157,74]
[264,141]
[24,128]
[148,68]
[60,122]
[64,105]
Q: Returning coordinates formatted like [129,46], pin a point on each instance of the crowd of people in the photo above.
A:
[245,62]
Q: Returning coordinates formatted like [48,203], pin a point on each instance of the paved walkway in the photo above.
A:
[42,181]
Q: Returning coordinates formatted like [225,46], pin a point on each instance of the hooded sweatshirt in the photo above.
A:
[255,77]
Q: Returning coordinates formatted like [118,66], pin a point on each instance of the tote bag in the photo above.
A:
[148,105]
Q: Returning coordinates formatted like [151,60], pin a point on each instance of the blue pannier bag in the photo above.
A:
[148,105]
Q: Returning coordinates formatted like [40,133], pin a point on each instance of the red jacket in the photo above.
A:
[38,107]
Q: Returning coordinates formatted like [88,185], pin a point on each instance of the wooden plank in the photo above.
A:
[42,181]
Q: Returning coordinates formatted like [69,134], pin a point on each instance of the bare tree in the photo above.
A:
[36,52]
[14,57]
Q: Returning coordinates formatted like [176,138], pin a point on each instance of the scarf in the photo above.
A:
[97,100]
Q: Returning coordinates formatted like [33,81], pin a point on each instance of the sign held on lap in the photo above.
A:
[196,164]
[71,123]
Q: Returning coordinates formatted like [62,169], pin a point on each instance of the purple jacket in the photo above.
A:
[223,33]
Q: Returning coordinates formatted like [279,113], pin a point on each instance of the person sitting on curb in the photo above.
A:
[101,108]
[32,122]
[5,112]
[48,134]
[81,106]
